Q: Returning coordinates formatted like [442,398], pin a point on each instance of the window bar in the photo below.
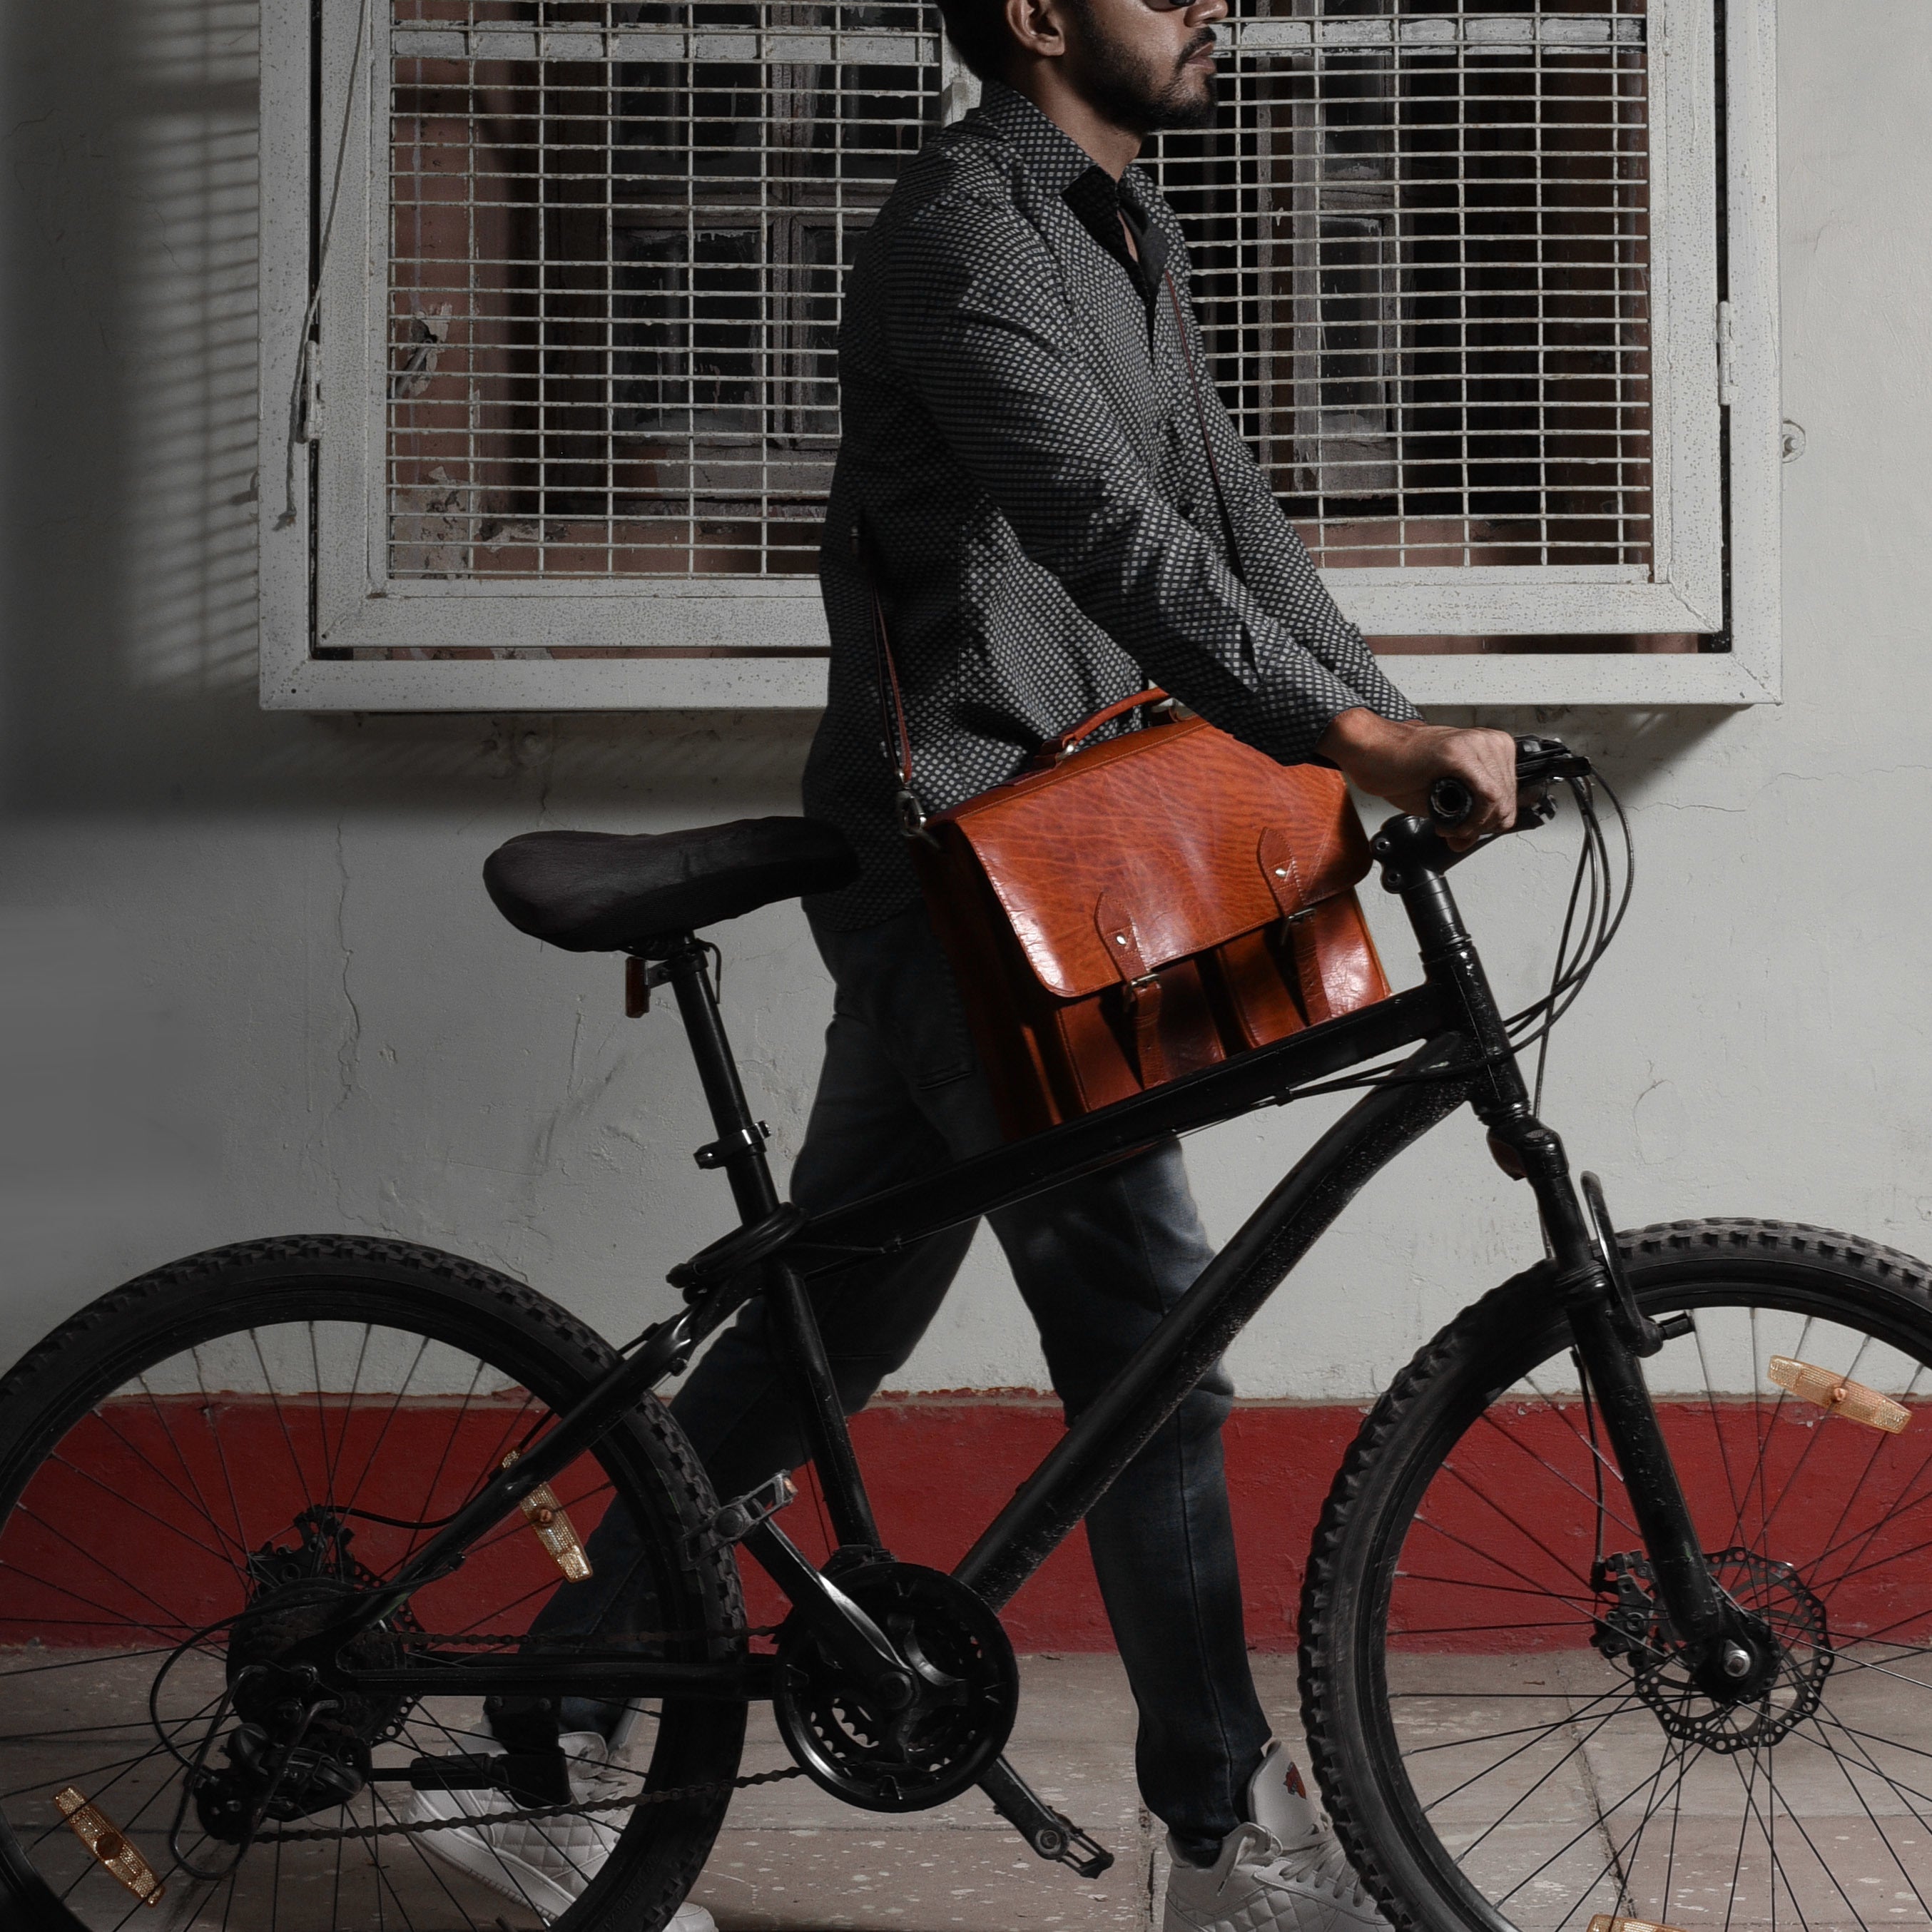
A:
[1540,137]
[1357,213]
[605,328]
[687,383]
[1465,451]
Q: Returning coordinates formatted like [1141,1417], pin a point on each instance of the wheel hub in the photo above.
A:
[299,1746]
[922,1736]
[297,1591]
[1772,1685]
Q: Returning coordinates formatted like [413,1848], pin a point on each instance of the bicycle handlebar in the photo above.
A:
[1538,761]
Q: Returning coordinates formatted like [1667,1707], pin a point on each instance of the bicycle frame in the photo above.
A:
[1464,1054]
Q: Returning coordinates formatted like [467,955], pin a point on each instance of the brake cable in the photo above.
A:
[1604,917]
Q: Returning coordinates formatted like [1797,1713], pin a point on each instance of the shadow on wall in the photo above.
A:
[128,216]
[130,375]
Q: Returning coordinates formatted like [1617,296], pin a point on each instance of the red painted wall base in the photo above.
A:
[940,1468]
[136,1532]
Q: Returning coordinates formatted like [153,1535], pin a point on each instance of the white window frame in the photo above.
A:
[1714,374]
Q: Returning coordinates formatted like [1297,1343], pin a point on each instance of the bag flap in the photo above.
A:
[1156,845]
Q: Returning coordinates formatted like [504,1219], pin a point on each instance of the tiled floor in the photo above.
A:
[792,1857]
[1855,1848]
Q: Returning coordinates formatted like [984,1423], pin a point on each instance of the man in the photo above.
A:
[1023,481]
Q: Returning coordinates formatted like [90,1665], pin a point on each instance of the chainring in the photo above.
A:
[947,1739]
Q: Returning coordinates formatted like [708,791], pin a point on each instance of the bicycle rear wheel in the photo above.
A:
[209,1456]
[1496,1706]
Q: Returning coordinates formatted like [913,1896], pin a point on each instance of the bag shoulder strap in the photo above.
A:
[895,736]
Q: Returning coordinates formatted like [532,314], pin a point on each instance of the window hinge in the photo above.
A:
[1727,387]
[308,423]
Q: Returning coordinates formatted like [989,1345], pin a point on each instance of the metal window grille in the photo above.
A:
[1421,243]
[617,233]
[618,237]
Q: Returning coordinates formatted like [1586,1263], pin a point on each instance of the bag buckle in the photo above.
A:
[912,820]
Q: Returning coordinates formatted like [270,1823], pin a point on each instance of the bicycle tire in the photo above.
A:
[1446,1593]
[150,1450]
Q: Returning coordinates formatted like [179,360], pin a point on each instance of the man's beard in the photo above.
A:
[1134,96]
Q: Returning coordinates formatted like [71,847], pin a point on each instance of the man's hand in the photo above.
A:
[1399,762]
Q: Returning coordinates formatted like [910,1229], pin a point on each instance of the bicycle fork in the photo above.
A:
[1730,1654]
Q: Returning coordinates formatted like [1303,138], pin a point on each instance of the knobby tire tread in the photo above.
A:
[35,1398]
[1496,1319]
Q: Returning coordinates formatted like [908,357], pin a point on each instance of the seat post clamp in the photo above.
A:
[734,1146]
[641,975]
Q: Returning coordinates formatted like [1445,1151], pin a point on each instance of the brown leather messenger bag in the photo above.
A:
[1124,913]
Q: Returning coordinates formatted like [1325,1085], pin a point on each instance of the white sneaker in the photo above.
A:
[545,1863]
[1282,1872]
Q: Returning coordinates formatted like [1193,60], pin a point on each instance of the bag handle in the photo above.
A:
[1051,753]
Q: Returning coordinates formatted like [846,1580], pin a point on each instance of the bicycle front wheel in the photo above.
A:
[1497,1706]
[193,1470]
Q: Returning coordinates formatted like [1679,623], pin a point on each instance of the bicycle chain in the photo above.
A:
[630,1804]
[633,1802]
[505,1639]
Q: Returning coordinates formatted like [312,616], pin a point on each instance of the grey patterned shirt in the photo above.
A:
[1021,449]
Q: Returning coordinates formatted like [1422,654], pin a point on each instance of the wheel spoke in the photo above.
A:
[1813,1527]
[1568,1482]
[202,1508]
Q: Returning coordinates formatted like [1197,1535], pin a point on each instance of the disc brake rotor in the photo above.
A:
[1637,1629]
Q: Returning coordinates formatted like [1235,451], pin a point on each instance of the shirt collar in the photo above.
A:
[1053,158]
[1062,167]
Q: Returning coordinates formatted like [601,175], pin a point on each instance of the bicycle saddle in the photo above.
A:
[608,891]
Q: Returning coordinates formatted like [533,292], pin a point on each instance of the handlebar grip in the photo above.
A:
[1450,801]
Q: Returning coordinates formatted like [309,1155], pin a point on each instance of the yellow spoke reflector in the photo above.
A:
[1830,1390]
[1603,1922]
[98,1833]
[555,1530]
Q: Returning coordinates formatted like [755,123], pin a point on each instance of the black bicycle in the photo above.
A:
[1616,1611]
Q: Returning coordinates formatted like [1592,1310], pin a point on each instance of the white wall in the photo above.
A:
[249,981]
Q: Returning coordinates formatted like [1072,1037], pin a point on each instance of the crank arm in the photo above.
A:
[847,1633]
[1049,1834]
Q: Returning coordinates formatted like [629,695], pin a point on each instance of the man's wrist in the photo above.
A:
[1357,730]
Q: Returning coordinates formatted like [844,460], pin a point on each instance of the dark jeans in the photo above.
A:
[1097,1262]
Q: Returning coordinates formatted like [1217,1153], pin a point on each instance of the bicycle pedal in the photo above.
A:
[1830,1390]
[532,1778]
[1603,1922]
[555,1530]
[736,1519]
[1054,1836]
[111,1851]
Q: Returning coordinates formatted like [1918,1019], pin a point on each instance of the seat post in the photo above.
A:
[740,1151]
[741,1142]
